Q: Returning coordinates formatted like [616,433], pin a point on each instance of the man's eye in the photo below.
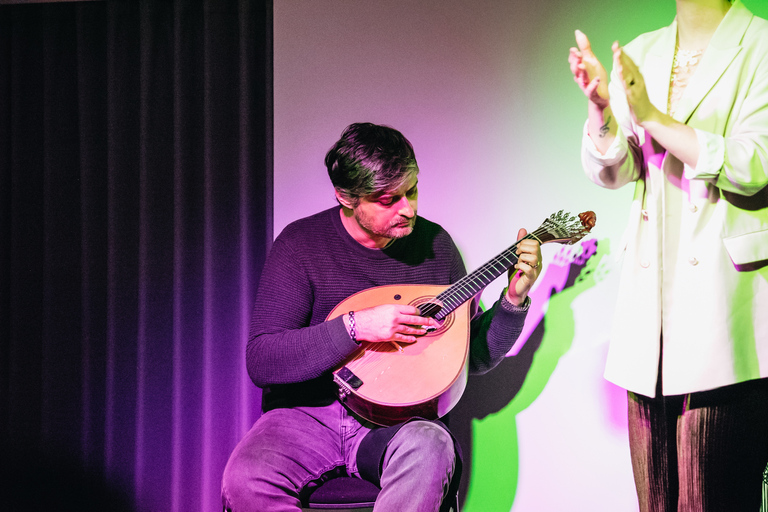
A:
[387,201]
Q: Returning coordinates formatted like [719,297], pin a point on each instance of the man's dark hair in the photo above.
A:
[370,159]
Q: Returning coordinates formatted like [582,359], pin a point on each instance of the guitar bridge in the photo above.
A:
[347,380]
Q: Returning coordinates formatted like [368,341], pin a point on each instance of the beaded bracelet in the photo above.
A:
[352,325]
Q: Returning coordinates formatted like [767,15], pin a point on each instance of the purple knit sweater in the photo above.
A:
[314,264]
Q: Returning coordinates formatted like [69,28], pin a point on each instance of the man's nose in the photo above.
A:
[406,208]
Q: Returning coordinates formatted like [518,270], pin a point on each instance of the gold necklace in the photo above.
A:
[686,58]
[683,66]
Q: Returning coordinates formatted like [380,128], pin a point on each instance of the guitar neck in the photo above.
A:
[559,227]
[473,283]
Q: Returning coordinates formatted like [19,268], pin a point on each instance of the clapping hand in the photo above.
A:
[588,72]
[634,85]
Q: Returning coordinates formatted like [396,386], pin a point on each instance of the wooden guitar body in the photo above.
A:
[426,379]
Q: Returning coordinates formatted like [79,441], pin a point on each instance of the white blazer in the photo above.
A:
[715,314]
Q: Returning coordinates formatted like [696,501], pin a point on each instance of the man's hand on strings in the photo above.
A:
[393,322]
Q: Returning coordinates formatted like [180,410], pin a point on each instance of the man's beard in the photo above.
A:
[401,231]
[399,227]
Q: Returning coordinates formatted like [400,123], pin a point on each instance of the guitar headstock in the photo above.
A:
[564,228]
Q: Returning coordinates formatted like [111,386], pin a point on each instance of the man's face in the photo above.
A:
[391,214]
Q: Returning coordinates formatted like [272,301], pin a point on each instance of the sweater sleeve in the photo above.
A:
[493,332]
[282,347]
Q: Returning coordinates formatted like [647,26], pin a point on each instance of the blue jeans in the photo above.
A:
[288,449]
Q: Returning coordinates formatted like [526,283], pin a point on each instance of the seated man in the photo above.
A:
[373,238]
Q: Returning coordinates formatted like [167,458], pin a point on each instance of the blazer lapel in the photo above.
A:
[657,66]
[722,49]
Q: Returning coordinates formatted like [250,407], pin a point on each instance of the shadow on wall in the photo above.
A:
[518,380]
[36,481]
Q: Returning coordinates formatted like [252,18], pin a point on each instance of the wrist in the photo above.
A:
[514,299]
[654,118]
[598,107]
[601,127]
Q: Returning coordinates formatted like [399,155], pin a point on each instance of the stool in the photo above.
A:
[346,493]
[342,493]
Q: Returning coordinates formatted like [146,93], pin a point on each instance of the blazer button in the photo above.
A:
[693,261]
[645,263]
[692,208]
[644,213]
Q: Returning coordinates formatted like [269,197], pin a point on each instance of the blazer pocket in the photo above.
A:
[747,247]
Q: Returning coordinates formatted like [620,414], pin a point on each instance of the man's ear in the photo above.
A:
[345,202]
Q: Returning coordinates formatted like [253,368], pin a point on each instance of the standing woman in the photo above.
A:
[685,117]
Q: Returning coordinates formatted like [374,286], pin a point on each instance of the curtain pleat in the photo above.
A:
[135,215]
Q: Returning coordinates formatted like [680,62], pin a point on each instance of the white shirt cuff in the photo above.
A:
[615,153]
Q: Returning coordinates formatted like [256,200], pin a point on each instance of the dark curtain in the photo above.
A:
[135,214]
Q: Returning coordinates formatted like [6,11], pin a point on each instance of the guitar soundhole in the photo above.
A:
[430,307]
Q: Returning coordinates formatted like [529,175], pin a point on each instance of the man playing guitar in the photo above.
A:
[374,238]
